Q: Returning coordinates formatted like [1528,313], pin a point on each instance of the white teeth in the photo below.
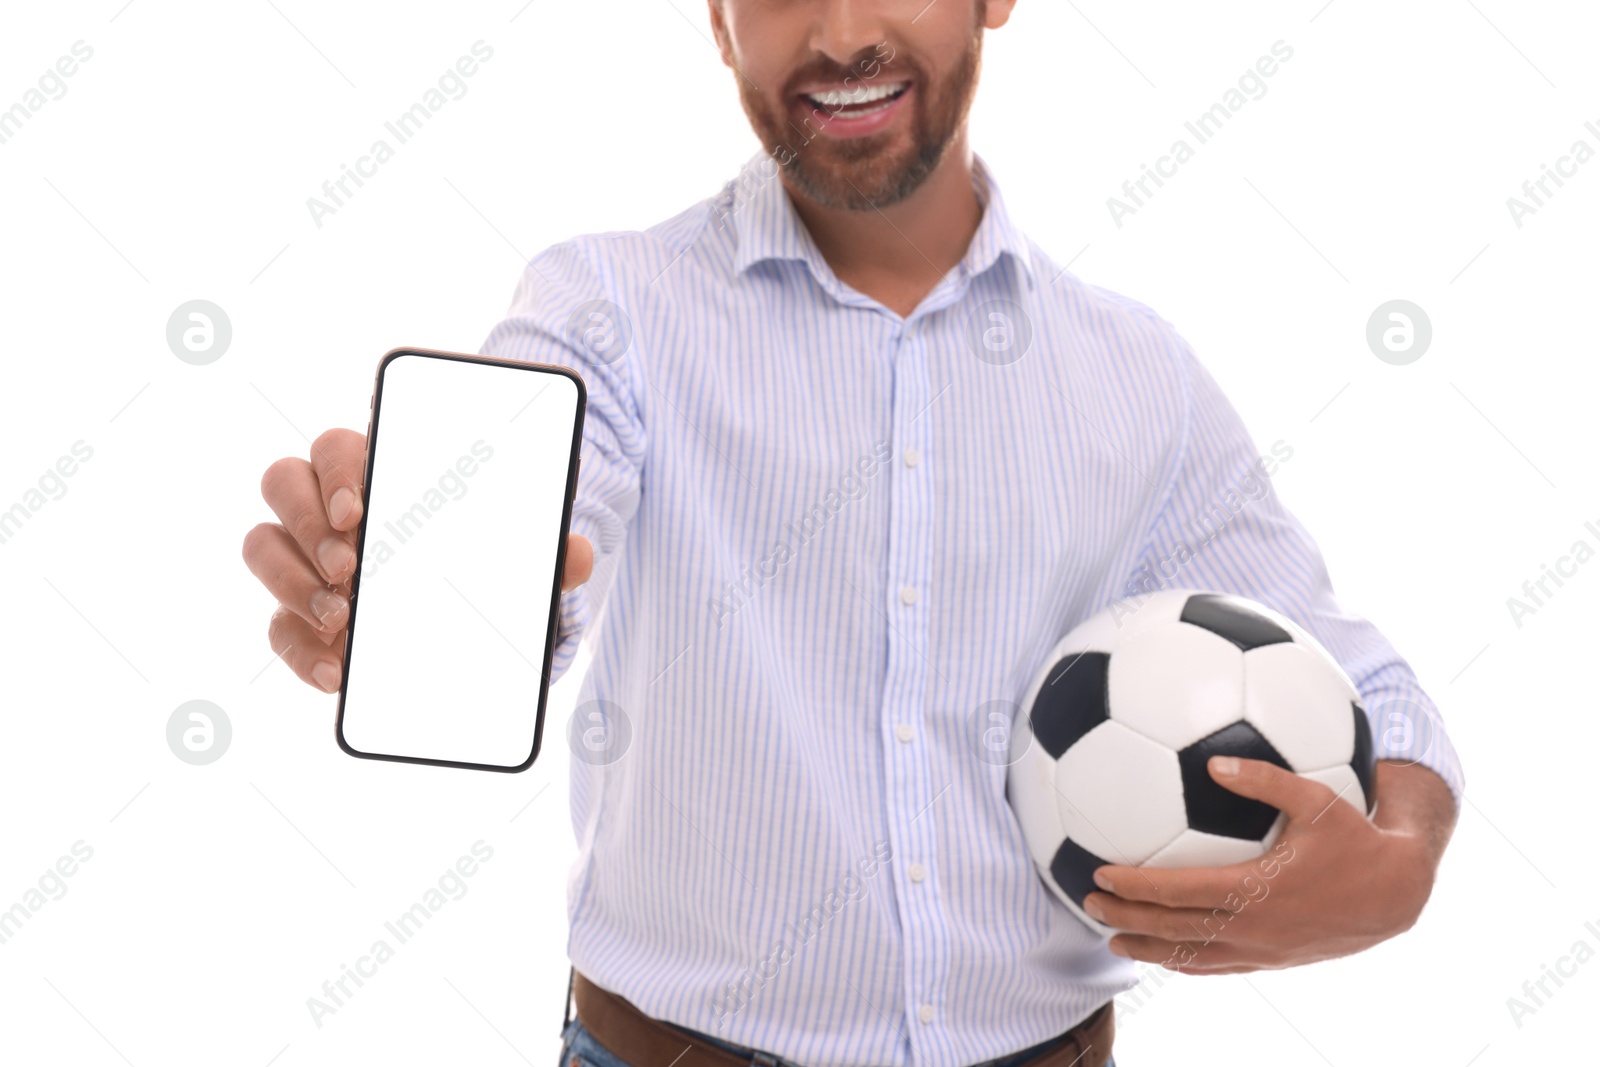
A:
[834,98]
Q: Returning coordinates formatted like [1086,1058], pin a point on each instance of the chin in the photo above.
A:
[861,184]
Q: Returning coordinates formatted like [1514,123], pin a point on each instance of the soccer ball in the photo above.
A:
[1108,751]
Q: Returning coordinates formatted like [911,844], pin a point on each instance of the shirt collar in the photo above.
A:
[767,226]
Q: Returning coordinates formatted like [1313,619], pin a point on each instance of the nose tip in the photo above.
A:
[849,31]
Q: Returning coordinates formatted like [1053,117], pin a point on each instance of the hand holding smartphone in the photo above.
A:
[454,564]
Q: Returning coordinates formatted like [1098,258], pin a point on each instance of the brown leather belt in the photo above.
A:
[641,1041]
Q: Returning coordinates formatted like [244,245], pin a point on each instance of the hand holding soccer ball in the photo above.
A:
[1110,752]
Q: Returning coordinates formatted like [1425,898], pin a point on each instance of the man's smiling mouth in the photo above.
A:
[858,101]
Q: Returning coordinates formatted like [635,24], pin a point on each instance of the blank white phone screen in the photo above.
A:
[452,609]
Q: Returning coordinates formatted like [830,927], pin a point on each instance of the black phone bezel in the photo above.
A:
[561,552]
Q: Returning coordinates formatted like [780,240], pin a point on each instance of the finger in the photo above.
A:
[1174,955]
[290,488]
[1189,957]
[1208,969]
[580,562]
[1218,959]
[302,650]
[1300,797]
[339,458]
[274,557]
[1172,887]
[1169,924]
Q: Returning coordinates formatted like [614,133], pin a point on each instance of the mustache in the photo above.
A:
[870,65]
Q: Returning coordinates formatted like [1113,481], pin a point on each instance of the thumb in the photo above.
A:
[580,562]
[1267,782]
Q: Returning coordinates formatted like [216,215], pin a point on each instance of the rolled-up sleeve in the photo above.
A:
[562,313]
[1222,527]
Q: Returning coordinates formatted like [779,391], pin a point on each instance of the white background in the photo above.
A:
[177,166]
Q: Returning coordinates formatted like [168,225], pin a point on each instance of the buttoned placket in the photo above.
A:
[911,679]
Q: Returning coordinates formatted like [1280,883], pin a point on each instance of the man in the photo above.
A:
[856,454]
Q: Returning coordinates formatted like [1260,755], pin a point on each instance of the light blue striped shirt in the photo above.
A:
[829,541]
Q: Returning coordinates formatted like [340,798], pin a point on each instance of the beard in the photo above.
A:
[864,173]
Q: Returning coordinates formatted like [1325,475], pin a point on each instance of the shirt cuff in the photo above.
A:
[1407,728]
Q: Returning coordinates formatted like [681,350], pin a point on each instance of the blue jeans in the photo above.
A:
[580,1049]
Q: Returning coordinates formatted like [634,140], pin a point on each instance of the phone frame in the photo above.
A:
[561,550]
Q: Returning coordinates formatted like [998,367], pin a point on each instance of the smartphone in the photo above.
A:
[471,467]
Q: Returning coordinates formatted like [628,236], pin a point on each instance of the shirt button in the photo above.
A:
[925,1013]
[903,732]
[912,457]
[917,872]
[908,595]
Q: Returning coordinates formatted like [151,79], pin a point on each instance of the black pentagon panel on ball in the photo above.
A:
[1073,870]
[1071,702]
[1233,622]
[1365,761]
[1213,809]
